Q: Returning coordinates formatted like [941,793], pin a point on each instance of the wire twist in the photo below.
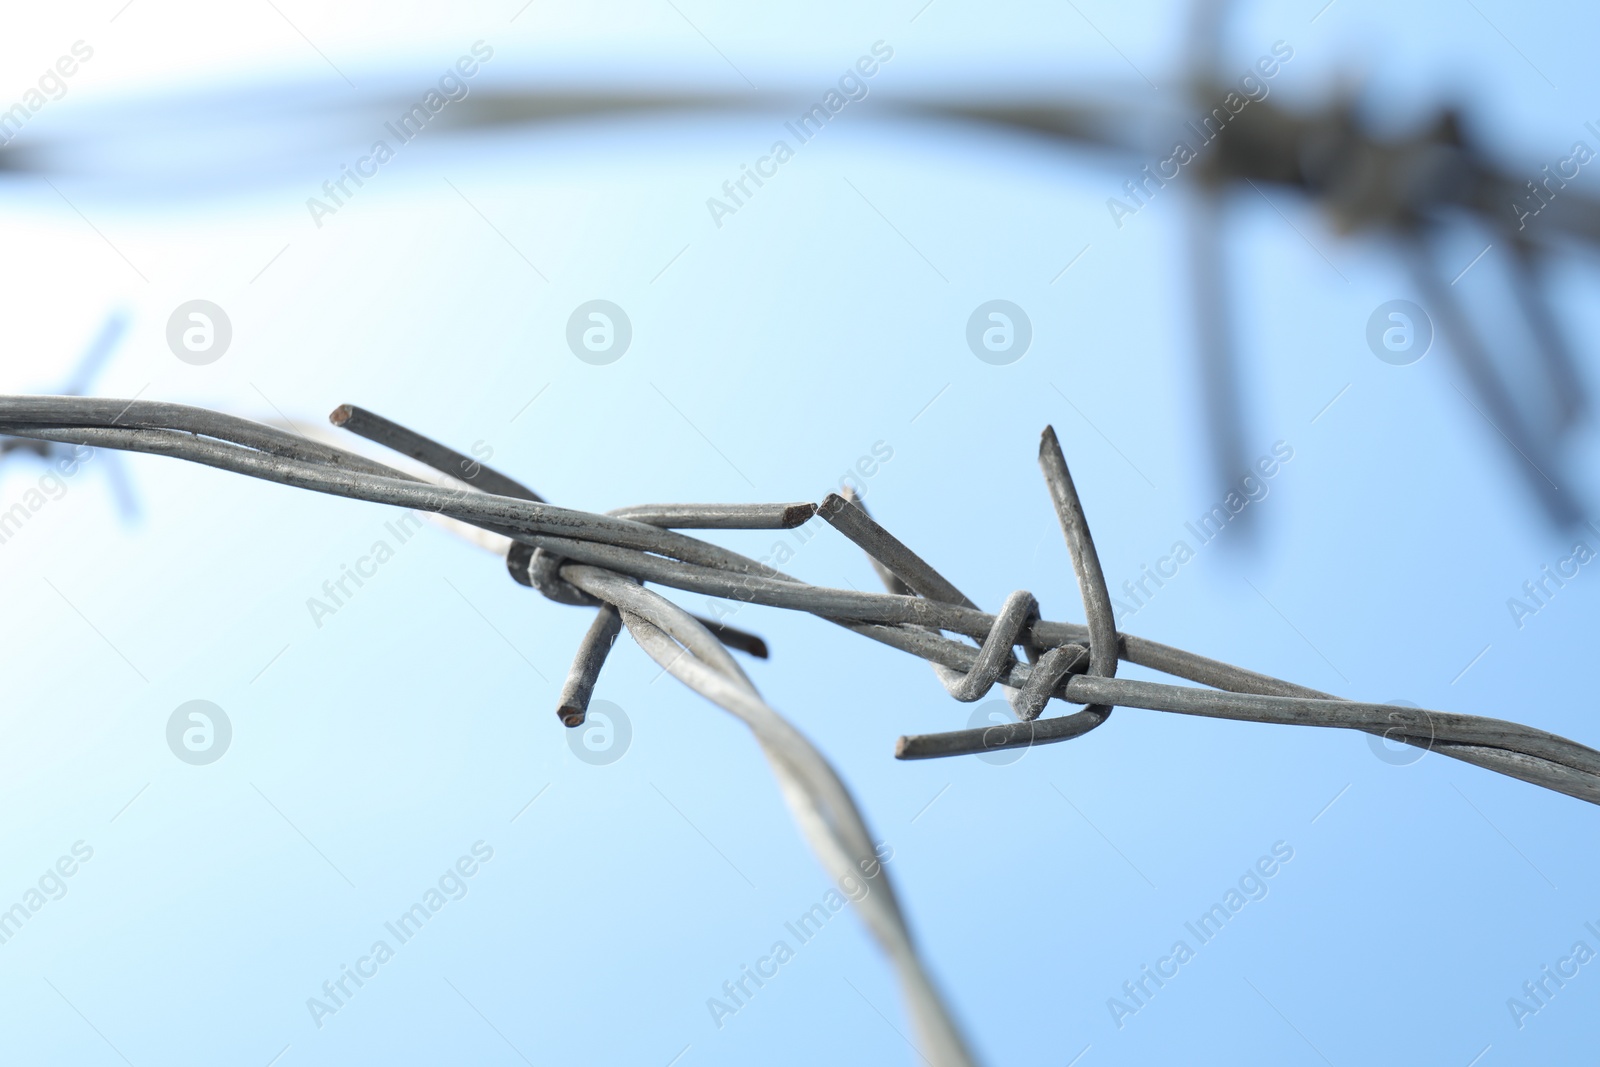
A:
[602,560]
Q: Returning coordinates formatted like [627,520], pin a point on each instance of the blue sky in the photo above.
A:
[825,317]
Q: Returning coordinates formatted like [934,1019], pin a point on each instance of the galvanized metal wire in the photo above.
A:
[603,560]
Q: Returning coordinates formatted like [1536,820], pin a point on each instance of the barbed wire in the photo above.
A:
[1446,177]
[603,560]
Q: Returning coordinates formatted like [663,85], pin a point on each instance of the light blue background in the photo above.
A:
[378,748]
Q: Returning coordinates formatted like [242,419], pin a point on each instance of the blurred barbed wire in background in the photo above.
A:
[1414,191]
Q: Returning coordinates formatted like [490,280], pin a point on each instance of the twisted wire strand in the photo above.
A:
[960,657]
[818,799]
[909,623]
[916,639]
